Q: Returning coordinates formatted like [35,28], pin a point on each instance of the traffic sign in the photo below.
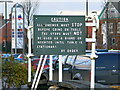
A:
[59,35]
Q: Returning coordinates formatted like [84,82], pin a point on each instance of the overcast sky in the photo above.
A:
[67,7]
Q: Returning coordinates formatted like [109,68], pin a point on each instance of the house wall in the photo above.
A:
[3,37]
[89,35]
[113,38]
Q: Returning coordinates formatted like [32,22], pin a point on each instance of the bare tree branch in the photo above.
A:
[29,10]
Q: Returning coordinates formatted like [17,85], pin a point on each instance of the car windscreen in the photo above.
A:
[70,59]
[82,62]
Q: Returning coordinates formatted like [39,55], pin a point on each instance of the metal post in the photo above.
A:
[107,29]
[36,74]
[15,31]
[86,7]
[6,25]
[93,55]
[29,52]
[60,68]
[23,33]
[29,69]
[50,70]
[41,69]
[92,86]
[29,41]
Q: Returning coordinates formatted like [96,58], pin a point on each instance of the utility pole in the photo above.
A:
[107,29]
[86,7]
[87,21]
[6,23]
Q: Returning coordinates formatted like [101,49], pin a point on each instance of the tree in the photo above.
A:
[14,73]
[30,9]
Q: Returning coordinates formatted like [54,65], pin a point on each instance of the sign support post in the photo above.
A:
[60,68]
[36,74]
[95,25]
[41,69]
[51,70]
[93,55]
[29,35]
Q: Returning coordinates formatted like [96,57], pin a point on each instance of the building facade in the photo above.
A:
[5,35]
[108,35]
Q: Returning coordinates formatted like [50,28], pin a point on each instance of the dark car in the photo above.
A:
[108,68]
[79,68]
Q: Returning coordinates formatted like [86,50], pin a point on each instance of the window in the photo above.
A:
[112,13]
[70,59]
[81,60]
[113,41]
[110,27]
[118,27]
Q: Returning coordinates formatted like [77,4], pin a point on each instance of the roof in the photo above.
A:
[108,53]
[115,4]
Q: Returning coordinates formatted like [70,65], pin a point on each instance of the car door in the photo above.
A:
[67,67]
[67,62]
[81,69]
[107,68]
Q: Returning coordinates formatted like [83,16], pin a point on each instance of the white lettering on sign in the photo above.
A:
[59,19]
[46,46]
[59,34]
[76,24]
[77,33]
[72,42]
[47,38]
[64,25]
[79,38]
[66,29]
[69,38]
[68,33]
[57,29]
[59,42]
[72,50]
[51,25]
[75,29]
[55,33]
[45,42]
[44,33]
[43,29]
[69,50]
[62,50]
[56,38]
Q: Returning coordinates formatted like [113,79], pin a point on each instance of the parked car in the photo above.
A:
[79,68]
[35,62]
[5,55]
